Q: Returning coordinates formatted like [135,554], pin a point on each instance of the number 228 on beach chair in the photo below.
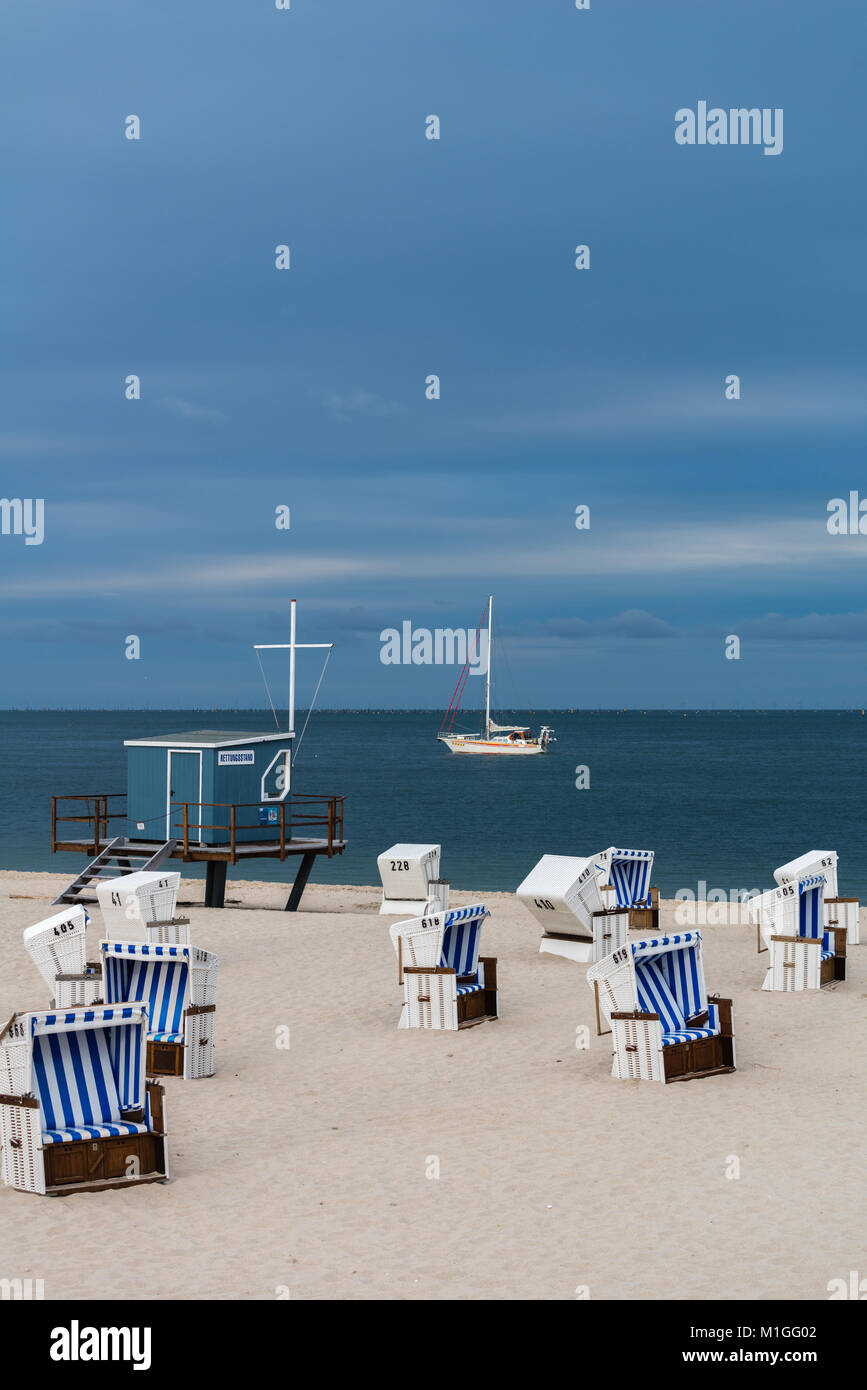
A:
[446,983]
[76,1112]
[178,984]
[664,1025]
[803,953]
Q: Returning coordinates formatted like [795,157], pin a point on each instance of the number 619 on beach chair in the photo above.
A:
[664,1025]
[446,983]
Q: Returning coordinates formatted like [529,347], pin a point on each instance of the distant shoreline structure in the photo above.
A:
[564,710]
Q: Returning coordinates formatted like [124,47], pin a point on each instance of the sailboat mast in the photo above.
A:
[488,680]
[292,666]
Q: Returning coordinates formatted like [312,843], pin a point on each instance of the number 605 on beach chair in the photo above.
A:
[446,983]
[664,1025]
[803,953]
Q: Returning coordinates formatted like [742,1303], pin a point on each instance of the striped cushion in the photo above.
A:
[460,948]
[631,880]
[469,989]
[688,1035]
[75,1081]
[655,995]
[166,1037]
[69,1136]
[161,983]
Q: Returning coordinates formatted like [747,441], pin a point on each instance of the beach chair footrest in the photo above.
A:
[91,1162]
[165,1059]
[703,1056]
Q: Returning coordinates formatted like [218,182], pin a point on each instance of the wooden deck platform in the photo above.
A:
[218,858]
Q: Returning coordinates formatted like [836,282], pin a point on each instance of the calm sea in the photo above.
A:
[722,797]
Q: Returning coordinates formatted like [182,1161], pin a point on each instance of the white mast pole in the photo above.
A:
[488,681]
[292,666]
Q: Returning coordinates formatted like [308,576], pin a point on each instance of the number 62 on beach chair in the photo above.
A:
[446,983]
[664,1025]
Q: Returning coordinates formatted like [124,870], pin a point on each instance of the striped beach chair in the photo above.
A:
[76,1111]
[838,912]
[626,873]
[178,985]
[804,953]
[57,948]
[565,895]
[663,1024]
[446,983]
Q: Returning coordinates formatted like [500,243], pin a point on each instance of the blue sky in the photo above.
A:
[409,257]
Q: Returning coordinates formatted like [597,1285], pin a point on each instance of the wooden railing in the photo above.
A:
[98,817]
[188,829]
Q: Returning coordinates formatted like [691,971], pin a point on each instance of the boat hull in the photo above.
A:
[482,746]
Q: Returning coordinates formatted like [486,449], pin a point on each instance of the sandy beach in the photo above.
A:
[306,1170]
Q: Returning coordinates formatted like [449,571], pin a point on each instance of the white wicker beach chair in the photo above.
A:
[133,903]
[839,912]
[76,1111]
[407,872]
[446,983]
[804,953]
[627,873]
[57,947]
[178,985]
[566,896]
[664,1025]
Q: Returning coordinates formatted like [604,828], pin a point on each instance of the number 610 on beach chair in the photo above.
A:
[664,1025]
[178,984]
[446,983]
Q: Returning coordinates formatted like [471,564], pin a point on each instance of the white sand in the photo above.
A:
[307,1168]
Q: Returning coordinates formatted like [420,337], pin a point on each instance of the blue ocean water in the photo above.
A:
[721,796]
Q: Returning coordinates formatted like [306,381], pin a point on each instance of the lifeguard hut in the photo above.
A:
[218,796]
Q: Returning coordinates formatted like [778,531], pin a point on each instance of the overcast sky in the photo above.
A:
[306,388]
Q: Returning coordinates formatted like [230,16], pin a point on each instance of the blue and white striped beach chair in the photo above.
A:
[664,1026]
[838,912]
[178,984]
[77,1111]
[446,983]
[626,873]
[804,952]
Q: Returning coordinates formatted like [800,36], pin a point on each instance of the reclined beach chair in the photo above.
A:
[76,1112]
[446,983]
[804,954]
[178,985]
[141,907]
[567,897]
[664,1025]
[407,872]
[57,948]
[839,912]
[627,872]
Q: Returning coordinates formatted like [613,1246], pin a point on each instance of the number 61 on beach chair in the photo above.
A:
[664,1025]
[446,984]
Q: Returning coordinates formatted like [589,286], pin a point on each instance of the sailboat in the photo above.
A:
[514,739]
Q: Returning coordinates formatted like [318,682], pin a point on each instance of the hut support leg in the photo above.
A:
[215,883]
[300,883]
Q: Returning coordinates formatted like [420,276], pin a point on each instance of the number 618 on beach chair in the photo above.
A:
[446,983]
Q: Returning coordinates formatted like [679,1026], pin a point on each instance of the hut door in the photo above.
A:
[184,781]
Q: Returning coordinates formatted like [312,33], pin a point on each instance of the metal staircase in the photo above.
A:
[120,857]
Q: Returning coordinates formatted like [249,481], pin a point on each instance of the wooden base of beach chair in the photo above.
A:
[89,1163]
[480,1007]
[688,1061]
[165,1059]
[646,918]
